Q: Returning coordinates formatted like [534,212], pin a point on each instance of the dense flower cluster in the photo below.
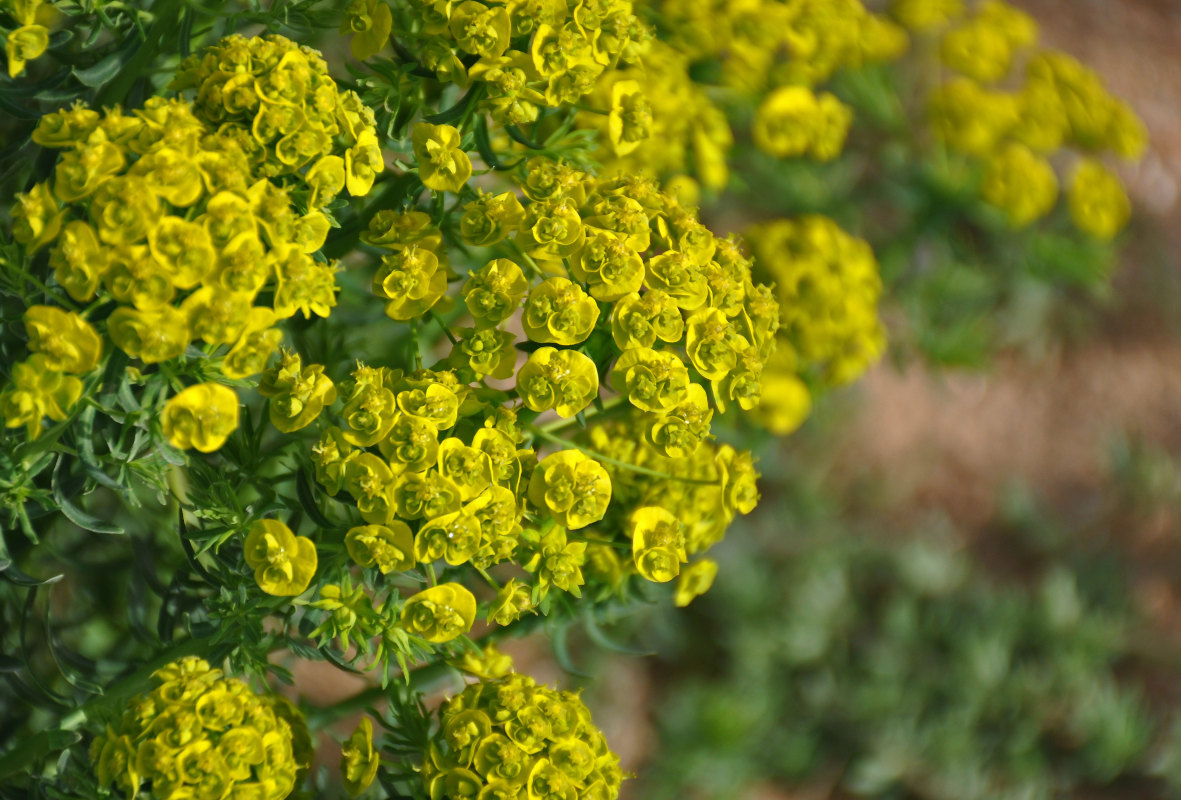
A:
[510,739]
[287,113]
[770,48]
[437,461]
[198,734]
[522,56]
[1016,130]
[666,508]
[765,44]
[827,284]
[172,215]
[29,40]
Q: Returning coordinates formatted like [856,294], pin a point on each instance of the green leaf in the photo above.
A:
[76,515]
[36,748]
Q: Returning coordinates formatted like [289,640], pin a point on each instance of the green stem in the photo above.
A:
[605,459]
[560,424]
[425,680]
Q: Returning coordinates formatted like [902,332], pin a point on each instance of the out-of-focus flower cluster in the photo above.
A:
[524,56]
[509,738]
[182,216]
[828,285]
[1058,111]
[198,734]
[775,51]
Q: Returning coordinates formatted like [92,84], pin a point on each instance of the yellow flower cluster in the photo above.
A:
[63,346]
[685,128]
[768,43]
[780,48]
[522,56]
[794,121]
[201,736]
[1059,104]
[287,113]
[827,284]
[666,509]
[173,214]
[28,41]
[608,272]
[510,739]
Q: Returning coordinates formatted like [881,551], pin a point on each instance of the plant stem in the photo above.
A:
[655,473]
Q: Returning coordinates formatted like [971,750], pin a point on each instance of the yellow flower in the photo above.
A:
[68,342]
[441,613]
[513,600]
[793,121]
[564,380]
[573,487]
[78,260]
[283,563]
[480,30]
[786,401]
[37,392]
[491,218]
[979,50]
[630,119]
[488,665]
[651,380]
[1098,203]
[639,320]
[201,734]
[36,217]
[297,395]
[1021,184]
[24,44]
[358,758]
[155,335]
[370,22]
[558,562]
[390,548]
[442,165]
[658,545]
[494,291]
[200,417]
[918,15]
[695,580]
[411,280]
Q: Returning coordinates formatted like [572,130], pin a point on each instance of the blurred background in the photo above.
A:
[962,582]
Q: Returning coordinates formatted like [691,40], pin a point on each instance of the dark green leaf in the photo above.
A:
[76,515]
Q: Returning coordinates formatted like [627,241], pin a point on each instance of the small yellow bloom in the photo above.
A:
[69,342]
[24,44]
[1098,203]
[151,336]
[358,758]
[695,580]
[629,123]
[283,563]
[390,547]
[573,487]
[442,164]
[37,392]
[441,613]
[564,380]
[201,417]
[658,544]
[1021,184]
[370,22]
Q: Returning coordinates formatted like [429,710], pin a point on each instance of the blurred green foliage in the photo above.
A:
[836,653]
